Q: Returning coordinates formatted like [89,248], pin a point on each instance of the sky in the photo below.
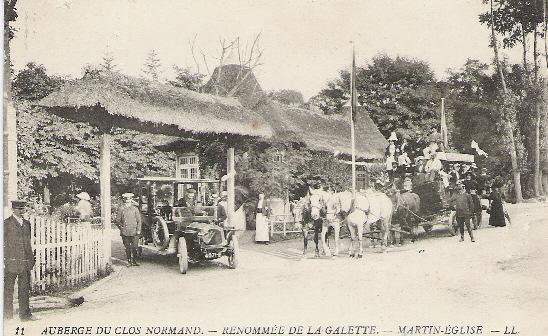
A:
[305,42]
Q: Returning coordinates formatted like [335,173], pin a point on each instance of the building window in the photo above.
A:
[189,167]
[279,157]
[193,173]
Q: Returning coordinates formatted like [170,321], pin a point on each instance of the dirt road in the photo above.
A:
[499,282]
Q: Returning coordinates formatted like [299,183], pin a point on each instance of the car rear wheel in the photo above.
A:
[183,255]
[233,257]
[160,233]
[427,228]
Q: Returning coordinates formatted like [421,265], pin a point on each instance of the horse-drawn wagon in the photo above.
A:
[180,218]
[432,206]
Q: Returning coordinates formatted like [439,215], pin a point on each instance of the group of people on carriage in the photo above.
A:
[390,203]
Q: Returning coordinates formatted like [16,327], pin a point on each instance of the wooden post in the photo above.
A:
[231,172]
[104,181]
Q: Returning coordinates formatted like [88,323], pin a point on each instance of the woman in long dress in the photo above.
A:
[261,223]
[496,209]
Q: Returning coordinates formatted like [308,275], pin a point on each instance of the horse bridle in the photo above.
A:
[322,206]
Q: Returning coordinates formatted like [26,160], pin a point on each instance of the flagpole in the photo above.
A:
[352,111]
[443,125]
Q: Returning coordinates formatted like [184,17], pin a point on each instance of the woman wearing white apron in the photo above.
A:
[261,223]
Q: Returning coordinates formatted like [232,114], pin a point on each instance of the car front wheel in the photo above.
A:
[183,255]
[233,257]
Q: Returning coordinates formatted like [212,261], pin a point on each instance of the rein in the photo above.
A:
[402,204]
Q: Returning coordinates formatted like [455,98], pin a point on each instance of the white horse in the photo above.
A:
[331,204]
[367,208]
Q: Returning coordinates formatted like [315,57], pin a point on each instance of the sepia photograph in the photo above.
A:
[275,167]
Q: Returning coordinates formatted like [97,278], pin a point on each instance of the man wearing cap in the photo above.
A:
[84,206]
[128,221]
[464,207]
[18,261]
[469,183]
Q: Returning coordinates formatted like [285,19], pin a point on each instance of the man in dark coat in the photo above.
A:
[464,207]
[18,261]
[129,223]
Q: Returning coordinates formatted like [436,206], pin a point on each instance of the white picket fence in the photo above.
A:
[67,254]
[280,219]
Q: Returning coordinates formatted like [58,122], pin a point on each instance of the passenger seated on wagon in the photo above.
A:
[432,168]
[390,165]
[420,175]
[444,178]
[404,164]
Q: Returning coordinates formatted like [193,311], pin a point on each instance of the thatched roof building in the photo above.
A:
[238,81]
[106,98]
[329,133]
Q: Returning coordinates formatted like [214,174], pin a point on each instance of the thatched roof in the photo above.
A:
[327,133]
[236,81]
[152,107]
[183,145]
[292,124]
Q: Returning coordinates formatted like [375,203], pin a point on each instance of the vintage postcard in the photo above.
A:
[303,167]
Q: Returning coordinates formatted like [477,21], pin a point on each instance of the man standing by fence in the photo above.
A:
[129,222]
[18,261]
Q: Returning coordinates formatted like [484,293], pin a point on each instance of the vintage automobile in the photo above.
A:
[180,217]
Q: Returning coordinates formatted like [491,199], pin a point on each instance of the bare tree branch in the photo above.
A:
[205,62]
[192,46]
[250,62]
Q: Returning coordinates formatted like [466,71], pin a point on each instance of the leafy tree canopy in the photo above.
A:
[400,94]
[32,83]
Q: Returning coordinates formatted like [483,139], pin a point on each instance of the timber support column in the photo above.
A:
[230,186]
[104,183]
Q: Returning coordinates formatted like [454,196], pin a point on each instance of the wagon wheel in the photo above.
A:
[160,233]
[140,248]
[453,225]
[233,257]
[182,254]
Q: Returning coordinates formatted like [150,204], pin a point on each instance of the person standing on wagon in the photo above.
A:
[464,207]
[128,221]
[18,261]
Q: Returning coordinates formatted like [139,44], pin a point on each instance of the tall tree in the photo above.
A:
[507,110]
[519,21]
[151,67]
